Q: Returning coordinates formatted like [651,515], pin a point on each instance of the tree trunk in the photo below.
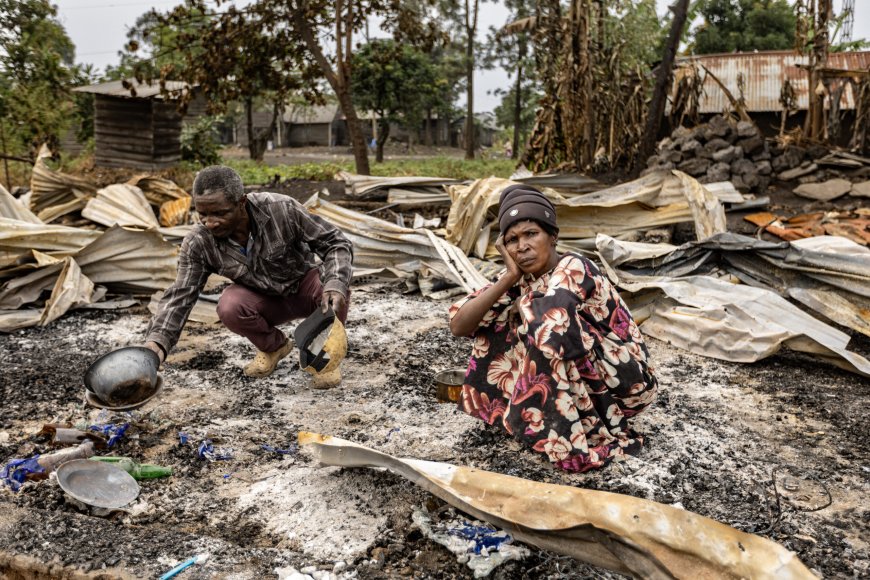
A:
[339,80]
[383,135]
[819,60]
[518,101]
[471,31]
[255,151]
[428,133]
[258,140]
[657,105]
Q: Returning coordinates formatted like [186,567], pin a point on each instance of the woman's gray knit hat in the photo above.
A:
[524,202]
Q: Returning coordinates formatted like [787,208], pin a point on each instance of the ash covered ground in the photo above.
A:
[718,436]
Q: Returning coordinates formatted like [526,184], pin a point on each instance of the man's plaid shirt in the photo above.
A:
[286,239]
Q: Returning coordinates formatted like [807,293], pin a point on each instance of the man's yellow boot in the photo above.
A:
[264,363]
[326,379]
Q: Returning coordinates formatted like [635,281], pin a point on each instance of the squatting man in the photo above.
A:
[268,245]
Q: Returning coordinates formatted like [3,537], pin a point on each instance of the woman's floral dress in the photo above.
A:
[560,364]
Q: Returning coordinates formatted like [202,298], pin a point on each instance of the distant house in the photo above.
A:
[764,74]
[312,126]
[486,128]
[322,125]
[139,128]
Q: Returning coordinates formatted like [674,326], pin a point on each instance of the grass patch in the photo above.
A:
[448,167]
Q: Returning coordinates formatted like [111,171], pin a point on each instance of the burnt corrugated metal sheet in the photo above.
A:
[764,74]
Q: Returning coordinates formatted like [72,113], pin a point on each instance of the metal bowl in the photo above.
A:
[96,483]
[94,401]
[448,385]
[124,377]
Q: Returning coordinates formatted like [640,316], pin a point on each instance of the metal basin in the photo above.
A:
[94,401]
[124,377]
[448,385]
[96,483]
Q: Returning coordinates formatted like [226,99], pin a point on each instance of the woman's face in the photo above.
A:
[533,249]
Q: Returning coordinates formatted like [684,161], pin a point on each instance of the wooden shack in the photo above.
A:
[139,128]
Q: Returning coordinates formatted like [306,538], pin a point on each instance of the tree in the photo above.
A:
[426,25]
[36,69]
[274,47]
[594,85]
[656,110]
[506,113]
[472,8]
[236,55]
[151,46]
[744,26]
[395,81]
[513,53]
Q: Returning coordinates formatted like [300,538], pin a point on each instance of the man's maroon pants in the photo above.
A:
[255,316]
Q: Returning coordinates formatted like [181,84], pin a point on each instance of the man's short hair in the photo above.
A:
[219,178]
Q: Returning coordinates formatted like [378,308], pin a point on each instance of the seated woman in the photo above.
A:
[557,359]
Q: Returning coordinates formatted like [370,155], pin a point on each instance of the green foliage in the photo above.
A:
[744,26]
[394,80]
[199,142]
[505,111]
[151,46]
[36,69]
[636,26]
[451,167]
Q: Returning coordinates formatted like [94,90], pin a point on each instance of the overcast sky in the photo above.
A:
[99,27]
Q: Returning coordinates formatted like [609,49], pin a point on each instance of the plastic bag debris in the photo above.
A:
[476,544]
[112,431]
[182,438]
[207,450]
[16,472]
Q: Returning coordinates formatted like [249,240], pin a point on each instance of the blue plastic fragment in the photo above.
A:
[482,536]
[289,451]
[112,431]
[206,450]
[182,438]
[15,473]
[390,434]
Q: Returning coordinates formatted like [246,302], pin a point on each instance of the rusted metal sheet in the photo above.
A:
[632,536]
[852,225]
[764,74]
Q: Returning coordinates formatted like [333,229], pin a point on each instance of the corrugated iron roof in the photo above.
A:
[143,90]
[311,115]
[764,74]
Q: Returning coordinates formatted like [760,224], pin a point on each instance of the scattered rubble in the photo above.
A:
[719,150]
[68,245]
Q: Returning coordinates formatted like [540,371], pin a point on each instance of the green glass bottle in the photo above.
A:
[136,469]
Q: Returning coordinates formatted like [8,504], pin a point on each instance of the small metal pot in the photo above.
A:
[448,385]
[124,376]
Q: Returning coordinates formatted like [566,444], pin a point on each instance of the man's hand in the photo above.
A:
[334,300]
[513,270]
[156,348]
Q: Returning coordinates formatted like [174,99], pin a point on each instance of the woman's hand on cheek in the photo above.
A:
[513,270]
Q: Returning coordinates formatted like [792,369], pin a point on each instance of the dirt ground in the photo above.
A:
[719,435]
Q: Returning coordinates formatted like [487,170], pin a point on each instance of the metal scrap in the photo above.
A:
[378,244]
[629,535]
[716,316]
[854,225]
[53,188]
[120,204]
[363,186]
[655,200]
